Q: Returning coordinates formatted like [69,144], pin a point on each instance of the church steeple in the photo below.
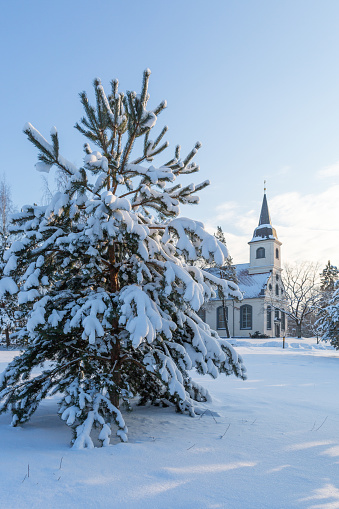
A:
[264,230]
[265,217]
[265,252]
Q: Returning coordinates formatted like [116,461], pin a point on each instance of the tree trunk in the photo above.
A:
[226,321]
[115,361]
[115,347]
[298,330]
[8,342]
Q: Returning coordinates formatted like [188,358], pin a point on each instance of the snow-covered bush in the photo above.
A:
[111,291]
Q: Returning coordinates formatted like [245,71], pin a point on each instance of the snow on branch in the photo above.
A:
[227,287]
[192,239]
[96,407]
[8,286]
[139,314]
[48,150]
[155,175]
[110,113]
[88,315]
[97,161]
[194,291]
[171,375]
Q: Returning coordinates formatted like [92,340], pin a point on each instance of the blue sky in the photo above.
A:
[257,82]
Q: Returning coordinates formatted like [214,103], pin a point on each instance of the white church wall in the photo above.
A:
[234,313]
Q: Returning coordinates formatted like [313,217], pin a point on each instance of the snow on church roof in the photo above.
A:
[251,285]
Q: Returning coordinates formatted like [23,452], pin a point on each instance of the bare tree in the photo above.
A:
[6,209]
[302,293]
[60,182]
[6,206]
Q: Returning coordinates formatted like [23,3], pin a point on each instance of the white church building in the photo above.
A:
[261,285]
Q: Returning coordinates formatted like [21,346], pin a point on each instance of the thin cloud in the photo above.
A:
[329,171]
[283,170]
[307,225]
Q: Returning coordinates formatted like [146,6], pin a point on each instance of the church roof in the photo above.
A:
[264,230]
[250,285]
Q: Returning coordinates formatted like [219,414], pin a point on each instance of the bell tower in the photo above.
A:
[265,248]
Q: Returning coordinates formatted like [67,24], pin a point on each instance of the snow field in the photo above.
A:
[268,442]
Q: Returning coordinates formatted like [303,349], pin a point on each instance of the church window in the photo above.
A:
[277,289]
[269,317]
[270,286]
[246,317]
[277,253]
[276,317]
[221,317]
[277,277]
[260,252]
[202,314]
[283,320]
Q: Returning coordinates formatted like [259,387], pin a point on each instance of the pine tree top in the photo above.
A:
[328,277]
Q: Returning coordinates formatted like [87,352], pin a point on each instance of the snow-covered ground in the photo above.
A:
[269,442]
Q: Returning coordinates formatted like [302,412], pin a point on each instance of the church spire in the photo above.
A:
[264,230]
[265,217]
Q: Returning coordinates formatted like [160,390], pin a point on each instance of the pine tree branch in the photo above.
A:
[135,191]
[142,366]
[39,379]
[127,152]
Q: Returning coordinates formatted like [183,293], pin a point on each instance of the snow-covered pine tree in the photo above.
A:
[327,324]
[219,234]
[226,271]
[110,291]
[328,277]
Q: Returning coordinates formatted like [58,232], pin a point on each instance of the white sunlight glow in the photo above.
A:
[307,225]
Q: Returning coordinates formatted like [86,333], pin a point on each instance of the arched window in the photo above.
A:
[202,314]
[246,317]
[221,317]
[260,253]
[277,253]
[269,317]
[277,289]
